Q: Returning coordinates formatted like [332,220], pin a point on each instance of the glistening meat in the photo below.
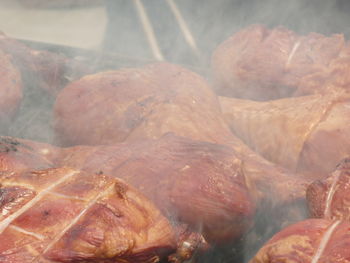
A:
[64,215]
[198,183]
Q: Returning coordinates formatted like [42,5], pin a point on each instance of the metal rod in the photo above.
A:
[184,28]
[148,29]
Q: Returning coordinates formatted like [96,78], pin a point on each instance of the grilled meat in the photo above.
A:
[195,182]
[309,241]
[205,185]
[133,104]
[261,64]
[328,198]
[64,215]
[306,134]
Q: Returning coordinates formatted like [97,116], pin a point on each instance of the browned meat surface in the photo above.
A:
[199,183]
[309,241]
[18,154]
[10,90]
[305,134]
[133,104]
[329,198]
[261,64]
[64,215]
[202,184]
[330,79]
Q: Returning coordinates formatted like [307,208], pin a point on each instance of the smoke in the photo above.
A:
[211,22]
[123,34]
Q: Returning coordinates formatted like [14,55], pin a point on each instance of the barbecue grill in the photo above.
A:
[183,32]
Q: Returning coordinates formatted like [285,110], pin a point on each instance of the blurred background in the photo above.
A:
[181,31]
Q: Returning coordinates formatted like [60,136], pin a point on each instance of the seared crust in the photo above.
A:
[198,183]
[66,215]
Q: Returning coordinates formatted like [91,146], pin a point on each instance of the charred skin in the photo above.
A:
[262,64]
[64,215]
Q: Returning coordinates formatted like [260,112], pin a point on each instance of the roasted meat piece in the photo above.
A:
[261,64]
[19,154]
[307,134]
[64,215]
[133,104]
[309,241]
[330,79]
[208,186]
[10,90]
[216,171]
[198,183]
[329,198]
[136,104]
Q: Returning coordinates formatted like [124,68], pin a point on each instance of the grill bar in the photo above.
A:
[184,28]
[148,29]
